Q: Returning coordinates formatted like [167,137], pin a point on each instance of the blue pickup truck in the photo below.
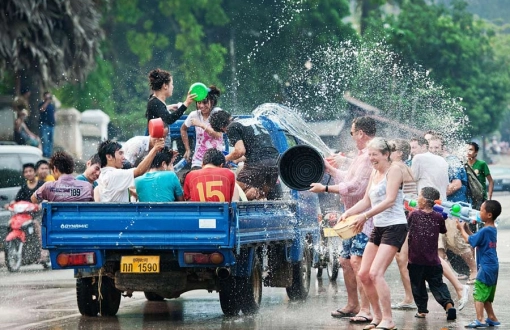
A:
[166,249]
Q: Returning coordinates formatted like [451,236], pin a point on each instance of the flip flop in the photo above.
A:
[370,326]
[383,328]
[360,319]
[341,314]
[420,315]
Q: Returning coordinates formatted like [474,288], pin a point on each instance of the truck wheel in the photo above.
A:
[13,255]
[301,277]
[151,296]
[110,302]
[229,297]
[333,264]
[251,290]
[86,296]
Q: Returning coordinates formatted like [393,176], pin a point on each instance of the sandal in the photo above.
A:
[420,315]
[370,326]
[476,324]
[360,319]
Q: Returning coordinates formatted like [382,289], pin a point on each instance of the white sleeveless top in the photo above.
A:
[393,215]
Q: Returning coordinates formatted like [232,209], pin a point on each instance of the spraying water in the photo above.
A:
[401,96]
[291,121]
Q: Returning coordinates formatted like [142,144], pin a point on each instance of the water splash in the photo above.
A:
[401,95]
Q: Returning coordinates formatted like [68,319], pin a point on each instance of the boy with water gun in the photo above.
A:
[484,241]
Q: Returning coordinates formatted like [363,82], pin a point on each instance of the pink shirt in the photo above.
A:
[353,184]
[65,189]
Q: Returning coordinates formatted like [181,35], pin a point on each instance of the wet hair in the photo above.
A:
[493,207]
[107,147]
[365,124]
[164,155]
[28,165]
[475,145]
[157,78]
[39,163]
[62,161]
[421,140]
[430,194]
[401,145]
[214,157]
[381,145]
[213,95]
[219,120]
[94,159]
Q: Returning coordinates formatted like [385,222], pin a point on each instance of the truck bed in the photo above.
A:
[165,225]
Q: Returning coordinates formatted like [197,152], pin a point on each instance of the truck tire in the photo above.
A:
[86,296]
[251,289]
[110,302]
[301,277]
[229,296]
[13,255]
[151,296]
[333,264]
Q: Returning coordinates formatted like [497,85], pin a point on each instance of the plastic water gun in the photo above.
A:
[410,205]
[459,210]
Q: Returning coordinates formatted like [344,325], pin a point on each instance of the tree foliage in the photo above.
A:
[49,42]
[457,50]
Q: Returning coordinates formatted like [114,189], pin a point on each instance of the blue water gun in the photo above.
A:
[458,210]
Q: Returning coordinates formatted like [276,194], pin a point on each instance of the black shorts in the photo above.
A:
[259,175]
[394,235]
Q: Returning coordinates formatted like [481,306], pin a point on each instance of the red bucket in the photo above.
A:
[156,128]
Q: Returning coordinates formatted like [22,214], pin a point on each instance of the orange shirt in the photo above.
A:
[209,185]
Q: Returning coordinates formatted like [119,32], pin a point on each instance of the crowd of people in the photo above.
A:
[373,189]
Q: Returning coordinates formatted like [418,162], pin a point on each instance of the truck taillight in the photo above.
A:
[215,258]
[76,259]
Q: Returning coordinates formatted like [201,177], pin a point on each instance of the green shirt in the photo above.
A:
[482,172]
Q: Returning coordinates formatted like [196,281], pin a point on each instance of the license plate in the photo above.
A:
[139,264]
[329,232]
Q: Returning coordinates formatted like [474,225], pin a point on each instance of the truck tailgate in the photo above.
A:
[154,225]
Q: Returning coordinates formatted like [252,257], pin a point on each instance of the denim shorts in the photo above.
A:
[354,246]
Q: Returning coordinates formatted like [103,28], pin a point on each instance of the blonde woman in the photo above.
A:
[385,197]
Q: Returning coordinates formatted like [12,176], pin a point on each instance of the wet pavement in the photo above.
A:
[46,299]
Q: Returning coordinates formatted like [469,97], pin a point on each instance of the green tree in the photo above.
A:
[457,50]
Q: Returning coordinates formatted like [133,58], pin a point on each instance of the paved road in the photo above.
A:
[46,299]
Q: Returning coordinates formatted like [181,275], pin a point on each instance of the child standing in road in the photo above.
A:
[485,241]
[424,265]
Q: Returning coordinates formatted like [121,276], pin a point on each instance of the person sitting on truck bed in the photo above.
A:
[92,171]
[251,140]
[212,183]
[160,184]
[114,182]
[66,188]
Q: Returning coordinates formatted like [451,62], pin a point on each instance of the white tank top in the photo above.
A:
[393,215]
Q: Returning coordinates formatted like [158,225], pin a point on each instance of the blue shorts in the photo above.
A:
[354,246]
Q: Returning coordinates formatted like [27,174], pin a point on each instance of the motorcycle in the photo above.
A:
[330,247]
[22,243]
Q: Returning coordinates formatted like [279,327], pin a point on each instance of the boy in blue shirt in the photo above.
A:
[485,241]
[160,183]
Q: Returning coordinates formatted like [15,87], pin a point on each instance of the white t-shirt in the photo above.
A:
[203,140]
[113,184]
[136,147]
[431,170]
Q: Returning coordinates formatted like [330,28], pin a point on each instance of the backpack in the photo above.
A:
[475,189]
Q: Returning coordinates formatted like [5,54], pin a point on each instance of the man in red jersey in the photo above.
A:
[212,183]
